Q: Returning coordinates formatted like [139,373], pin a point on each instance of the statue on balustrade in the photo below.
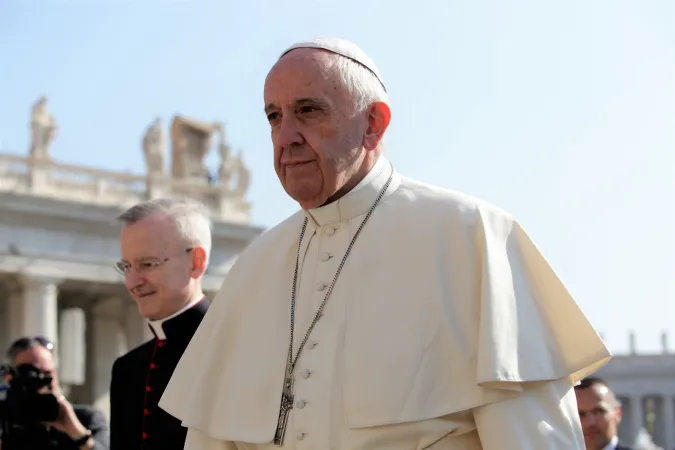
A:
[154,148]
[232,173]
[228,162]
[191,141]
[43,129]
[243,176]
[644,441]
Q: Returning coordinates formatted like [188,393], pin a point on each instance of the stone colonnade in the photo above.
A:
[655,413]
[87,337]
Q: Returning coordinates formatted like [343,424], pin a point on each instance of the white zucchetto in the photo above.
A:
[341,47]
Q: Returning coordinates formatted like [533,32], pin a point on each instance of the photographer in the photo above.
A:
[73,427]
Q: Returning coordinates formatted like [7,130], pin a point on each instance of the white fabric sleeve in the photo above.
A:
[196,440]
[543,417]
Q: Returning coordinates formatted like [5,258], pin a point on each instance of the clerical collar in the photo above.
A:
[357,201]
[157,326]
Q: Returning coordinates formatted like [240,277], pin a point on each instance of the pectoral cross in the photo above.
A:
[284,410]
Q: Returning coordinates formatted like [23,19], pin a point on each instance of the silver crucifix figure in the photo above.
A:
[284,410]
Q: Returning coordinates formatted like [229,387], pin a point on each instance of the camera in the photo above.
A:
[24,405]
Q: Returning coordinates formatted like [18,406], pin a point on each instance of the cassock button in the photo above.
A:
[148,389]
[145,435]
[325,257]
[320,286]
[300,404]
[330,231]
[305,374]
[312,344]
[146,412]
[153,366]
[301,435]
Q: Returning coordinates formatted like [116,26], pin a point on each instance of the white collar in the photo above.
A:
[156,325]
[612,444]
[355,202]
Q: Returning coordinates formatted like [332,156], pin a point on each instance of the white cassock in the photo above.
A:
[446,330]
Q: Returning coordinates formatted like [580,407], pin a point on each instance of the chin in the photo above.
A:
[147,311]
[311,203]
[307,200]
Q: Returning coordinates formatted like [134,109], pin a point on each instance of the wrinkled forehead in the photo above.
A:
[302,73]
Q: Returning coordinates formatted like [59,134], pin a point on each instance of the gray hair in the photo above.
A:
[190,217]
[26,343]
[364,86]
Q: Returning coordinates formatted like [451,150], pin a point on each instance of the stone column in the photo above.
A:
[15,316]
[107,343]
[636,415]
[73,347]
[34,310]
[7,323]
[40,311]
[668,421]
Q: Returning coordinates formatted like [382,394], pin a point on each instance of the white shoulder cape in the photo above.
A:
[449,306]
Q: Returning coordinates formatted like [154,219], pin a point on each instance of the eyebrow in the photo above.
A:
[299,102]
[140,258]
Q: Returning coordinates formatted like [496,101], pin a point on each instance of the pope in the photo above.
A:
[386,314]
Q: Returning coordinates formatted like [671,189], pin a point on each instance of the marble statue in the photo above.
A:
[228,163]
[191,142]
[233,174]
[243,176]
[154,148]
[43,129]
[643,441]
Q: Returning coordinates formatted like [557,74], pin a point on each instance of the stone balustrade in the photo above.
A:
[46,178]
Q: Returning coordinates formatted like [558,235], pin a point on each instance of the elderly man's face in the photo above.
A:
[600,415]
[318,135]
[161,266]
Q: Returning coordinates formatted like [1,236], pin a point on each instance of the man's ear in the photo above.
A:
[379,116]
[198,262]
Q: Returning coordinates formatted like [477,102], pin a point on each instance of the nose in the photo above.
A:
[133,279]
[288,134]
[588,420]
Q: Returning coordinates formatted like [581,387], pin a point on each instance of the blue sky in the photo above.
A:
[562,113]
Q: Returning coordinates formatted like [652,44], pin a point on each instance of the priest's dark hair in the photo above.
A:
[191,218]
[589,382]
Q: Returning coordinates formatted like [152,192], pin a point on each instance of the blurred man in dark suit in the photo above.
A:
[600,414]
[165,247]
[77,427]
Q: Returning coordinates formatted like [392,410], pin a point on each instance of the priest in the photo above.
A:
[386,314]
[166,246]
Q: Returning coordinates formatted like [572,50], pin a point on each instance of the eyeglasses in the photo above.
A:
[27,342]
[143,265]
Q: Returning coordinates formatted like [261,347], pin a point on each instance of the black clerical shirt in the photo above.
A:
[138,382]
